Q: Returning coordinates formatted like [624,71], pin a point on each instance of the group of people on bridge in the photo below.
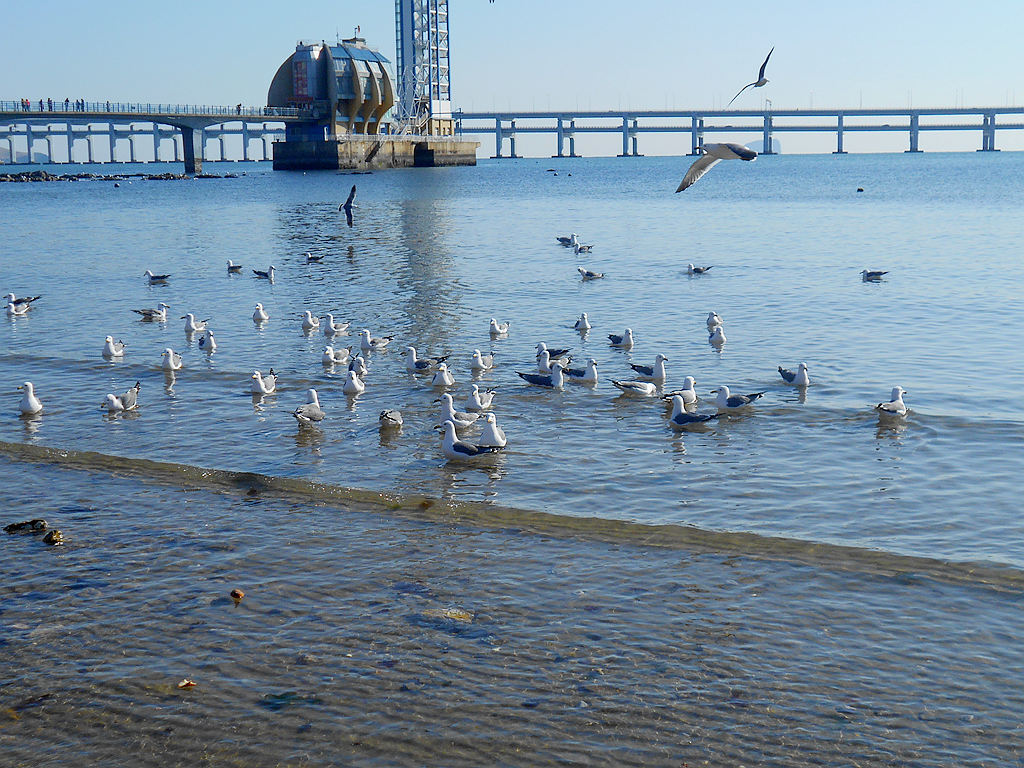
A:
[79,105]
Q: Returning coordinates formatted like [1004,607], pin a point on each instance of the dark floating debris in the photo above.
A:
[237,595]
[29,526]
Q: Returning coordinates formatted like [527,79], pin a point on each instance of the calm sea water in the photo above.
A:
[864,592]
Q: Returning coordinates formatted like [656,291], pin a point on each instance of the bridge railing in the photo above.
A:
[71,108]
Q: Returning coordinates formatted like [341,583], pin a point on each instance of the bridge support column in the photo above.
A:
[560,133]
[988,133]
[88,142]
[266,147]
[633,136]
[499,135]
[176,142]
[625,137]
[245,141]
[696,135]
[915,132]
[71,142]
[839,136]
[49,146]
[192,144]
[766,137]
[112,138]
[131,145]
[512,141]
[28,143]
[156,143]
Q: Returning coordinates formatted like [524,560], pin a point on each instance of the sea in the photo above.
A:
[800,582]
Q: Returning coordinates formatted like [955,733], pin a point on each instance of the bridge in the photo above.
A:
[764,123]
[188,126]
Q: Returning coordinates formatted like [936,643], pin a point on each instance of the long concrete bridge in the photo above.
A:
[764,123]
[185,123]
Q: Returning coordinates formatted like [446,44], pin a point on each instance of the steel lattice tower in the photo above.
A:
[424,94]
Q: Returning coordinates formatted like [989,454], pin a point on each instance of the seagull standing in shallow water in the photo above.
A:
[493,436]
[759,83]
[713,154]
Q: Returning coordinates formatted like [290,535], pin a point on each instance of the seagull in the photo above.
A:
[479,401]
[448,412]
[871,276]
[332,356]
[579,248]
[717,336]
[263,385]
[712,154]
[625,340]
[206,342]
[16,310]
[390,418]
[642,388]
[268,275]
[149,315]
[29,404]
[260,315]
[493,436]
[759,83]
[726,401]
[656,371]
[171,360]
[555,380]
[313,259]
[311,411]
[24,301]
[588,274]
[309,322]
[358,366]
[332,328]
[192,325]
[155,278]
[353,385]
[126,402]
[798,378]
[569,241]
[583,324]
[347,205]
[688,393]
[498,329]
[714,319]
[481,362]
[234,268]
[443,377]
[113,348]
[692,270]
[422,364]
[554,354]
[460,450]
[586,375]
[544,361]
[895,406]
[680,419]
[376,343]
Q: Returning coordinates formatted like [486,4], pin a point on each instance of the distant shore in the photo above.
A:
[47,176]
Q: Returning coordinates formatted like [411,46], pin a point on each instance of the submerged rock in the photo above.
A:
[54,538]
[28,526]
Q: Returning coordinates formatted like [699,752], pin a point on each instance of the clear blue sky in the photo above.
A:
[525,54]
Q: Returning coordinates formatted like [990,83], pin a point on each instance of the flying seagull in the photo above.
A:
[761,79]
[712,154]
[347,205]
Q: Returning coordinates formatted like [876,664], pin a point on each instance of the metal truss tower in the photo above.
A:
[424,93]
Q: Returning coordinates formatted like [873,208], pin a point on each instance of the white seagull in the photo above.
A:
[415,364]
[332,356]
[153,279]
[358,366]
[656,371]
[192,325]
[688,393]
[493,436]
[443,377]
[481,362]
[260,315]
[332,328]
[479,401]
[309,322]
[448,413]
[797,378]
[460,450]
[264,385]
[759,83]
[726,401]
[498,329]
[29,404]
[680,419]
[311,411]
[171,360]
[714,319]
[556,379]
[717,336]
[353,385]
[895,406]
[375,343]
[207,343]
[113,348]
[159,314]
[126,402]
[625,340]
[586,375]
[641,388]
[16,310]
[583,324]
[712,154]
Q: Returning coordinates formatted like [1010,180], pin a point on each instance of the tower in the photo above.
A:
[424,94]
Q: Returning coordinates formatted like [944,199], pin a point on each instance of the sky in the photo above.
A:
[550,54]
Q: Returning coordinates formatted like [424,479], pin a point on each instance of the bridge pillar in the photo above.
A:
[111,136]
[633,136]
[192,144]
[131,145]
[88,141]
[766,137]
[560,133]
[696,134]
[988,132]
[839,136]
[176,142]
[245,141]
[625,137]
[266,147]
[915,132]
[572,138]
[512,140]
[28,142]
[71,142]
[49,146]
[498,136]
[156,143]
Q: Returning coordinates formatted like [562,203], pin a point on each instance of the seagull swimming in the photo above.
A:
[158,314]
[314,258]
[687,393]
[332,356]
[871,276]
[625,340]
[493,436]
[554,353]
[692,270]
[460,418]
[717,336]
[460,450]
[656,371]
[641,388]
[358,366]
[554,380]
[714,319]
[498,329]
[726,401]
[171,360]
[583,324]
[390,418]
[353,385]
[713,153]
[588,274]
[206,342]
[260,315]
[443,377]
[680,419]
[29,404]
[24,301]
[544,361]
[569,241]
[309,322]
[192,325]
[797,378]
[759,83]
[16,310]
[586,375]
[264,385]
[895,406]
[268,275]
[126,402]
[481,362]
[311,411]
[415,364]
[579,248]
[479,401]
[234,268]
[332,328]
[113,348]
[376,343]
[155,278]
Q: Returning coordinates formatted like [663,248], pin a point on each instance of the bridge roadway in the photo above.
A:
[190,119]
[697,123]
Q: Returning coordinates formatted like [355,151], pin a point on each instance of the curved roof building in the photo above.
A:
[349,84]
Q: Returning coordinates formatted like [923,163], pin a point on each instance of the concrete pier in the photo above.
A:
[360,152]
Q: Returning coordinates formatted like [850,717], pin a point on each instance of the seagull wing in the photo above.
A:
[702,165]
[738,94]
[760,74]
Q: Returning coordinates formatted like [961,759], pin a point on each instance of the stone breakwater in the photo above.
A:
[47,176]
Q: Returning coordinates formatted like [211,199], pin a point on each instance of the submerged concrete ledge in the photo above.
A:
[372,153]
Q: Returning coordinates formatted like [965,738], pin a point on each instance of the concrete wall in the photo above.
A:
[363,154]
